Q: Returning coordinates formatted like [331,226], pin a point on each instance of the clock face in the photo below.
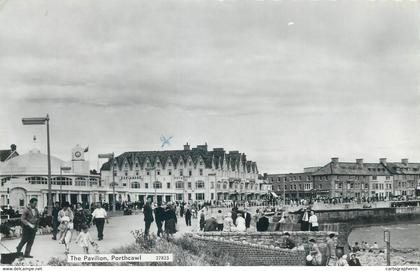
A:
[77,154]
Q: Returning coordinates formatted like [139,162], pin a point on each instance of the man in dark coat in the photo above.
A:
[55,221]
[148,217]
[159,217]
[182,209]
[248,218]
[29,219]
[188,215]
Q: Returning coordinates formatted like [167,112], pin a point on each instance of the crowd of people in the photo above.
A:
[66,222]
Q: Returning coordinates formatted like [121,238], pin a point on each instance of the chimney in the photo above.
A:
[13,147]
[359,162]
[186,147]
[404,161]
[382,161]
[334,161]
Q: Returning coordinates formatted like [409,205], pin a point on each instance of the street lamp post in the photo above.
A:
[61,180]
[44,121]
[111,157]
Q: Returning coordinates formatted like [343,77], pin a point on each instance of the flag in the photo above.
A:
[86,149]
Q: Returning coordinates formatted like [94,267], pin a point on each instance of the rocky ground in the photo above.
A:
[399,257]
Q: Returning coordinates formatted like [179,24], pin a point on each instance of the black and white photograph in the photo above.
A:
[214,133]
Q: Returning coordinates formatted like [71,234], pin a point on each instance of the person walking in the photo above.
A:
[219,220]
[148,217]
[84,239]
[29,219]
[182,209]
[99,215]
[240,223]
[313,222]
[55,222]
[331,248]
[170,221]
[79,217]
[248,218]
[202,219]
[159,218]
[66,213]
[188,215]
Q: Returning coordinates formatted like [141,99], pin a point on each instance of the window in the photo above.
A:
[374,177]
[189,185]
[157,185]
[137,164]
[158,172]
[146,185]
[126,173]
[366,186]
[388,177]
[199,196]
[179,196]
[190,173]
[212,185]
[224,185]
[169,172]
[181,172]
[169,164]
[137,173]
[135,185]
[168,185]
[201,172]
[148,173]
[147,164]
[190,164]
[199,185]
[179,185]
[212,196]
[201,163]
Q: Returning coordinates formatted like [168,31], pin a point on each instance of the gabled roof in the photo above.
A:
[342,168]
[401,168]
[7,154]
[216,156]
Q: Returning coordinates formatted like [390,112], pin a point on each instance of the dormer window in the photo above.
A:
[148,164]
[201,163]
[190,164]
[137,164]
[169,164]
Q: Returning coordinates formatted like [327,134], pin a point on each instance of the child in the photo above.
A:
[65,233]
[84,239]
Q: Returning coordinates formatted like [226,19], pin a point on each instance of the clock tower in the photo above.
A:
[77,153]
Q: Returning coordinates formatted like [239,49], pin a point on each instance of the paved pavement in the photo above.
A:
[116,233]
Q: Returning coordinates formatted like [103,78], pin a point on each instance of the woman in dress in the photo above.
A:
[170,221]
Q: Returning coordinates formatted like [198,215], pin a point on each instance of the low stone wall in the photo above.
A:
[254,254]
[271,241]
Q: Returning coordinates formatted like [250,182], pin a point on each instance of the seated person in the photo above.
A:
[211,224]
[288,242]
[263,223]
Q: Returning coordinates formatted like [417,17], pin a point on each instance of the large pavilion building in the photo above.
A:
[190,174]
[26,176]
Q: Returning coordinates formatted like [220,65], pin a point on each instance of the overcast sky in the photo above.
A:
[290,83]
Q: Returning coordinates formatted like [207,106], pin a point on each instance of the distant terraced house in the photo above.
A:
[356,180]
[190,174]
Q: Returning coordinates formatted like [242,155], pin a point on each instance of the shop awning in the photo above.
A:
[274,195]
